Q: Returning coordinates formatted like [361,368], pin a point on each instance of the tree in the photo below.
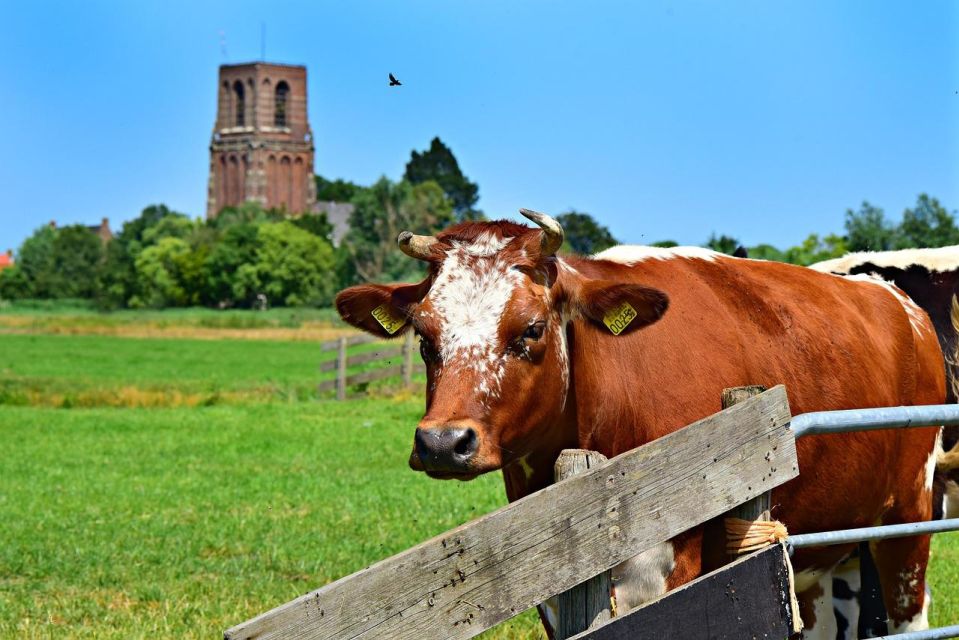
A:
[766,252]
[665,244]
[236,246]
[868,229]
[815,249]
[77,253]
[338,190]
[439,165]
[316,223]
[160,273]
[35,263]
[117,280]
[584,234]
[927,225]
[291,267]
[14,284]
[722,243]
[380,213]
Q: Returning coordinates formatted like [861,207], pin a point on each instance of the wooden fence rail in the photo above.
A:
[486,571]
[388,353]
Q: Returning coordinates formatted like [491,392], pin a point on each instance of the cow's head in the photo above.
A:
[492,320]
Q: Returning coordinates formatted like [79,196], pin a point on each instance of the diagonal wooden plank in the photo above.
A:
[749,598]
[486,571]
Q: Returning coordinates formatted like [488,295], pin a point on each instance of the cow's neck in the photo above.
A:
[534,471]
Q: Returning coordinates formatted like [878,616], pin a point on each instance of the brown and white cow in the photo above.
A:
[931,279]
[521,363]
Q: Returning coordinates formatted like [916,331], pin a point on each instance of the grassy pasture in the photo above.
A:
[180,519]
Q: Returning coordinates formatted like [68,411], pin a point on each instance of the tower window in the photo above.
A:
[239,103]
[279,109]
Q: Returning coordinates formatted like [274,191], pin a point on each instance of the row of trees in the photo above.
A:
[163,258]
[247,256]
[927,224]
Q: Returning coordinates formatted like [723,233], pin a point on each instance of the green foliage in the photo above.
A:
[380,214]
[584,235]
[766,252]
[316,223]
[55,263]
[722,243]
[927,225]
[117,279]
[335,190]
[868,229]
[666,244]
[160,274]
[35,263]
[439,165]
[814,249]
[292,267]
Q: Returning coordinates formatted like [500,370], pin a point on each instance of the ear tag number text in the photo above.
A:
[619,318]
[383,315]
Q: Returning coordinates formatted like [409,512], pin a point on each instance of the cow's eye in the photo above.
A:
[534,331]
[428,350]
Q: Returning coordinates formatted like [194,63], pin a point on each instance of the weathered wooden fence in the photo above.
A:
[564,539]
[398,358]
[493,568]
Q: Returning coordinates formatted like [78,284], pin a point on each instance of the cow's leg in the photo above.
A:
[902,572]
[951,497]
[846,588]
[872,613]
[815,596]
[657,570]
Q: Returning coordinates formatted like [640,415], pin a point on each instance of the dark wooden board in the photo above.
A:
[746,599]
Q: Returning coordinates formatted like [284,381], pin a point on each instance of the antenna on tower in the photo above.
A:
[263,41]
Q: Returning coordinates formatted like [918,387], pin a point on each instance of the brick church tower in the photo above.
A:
[262,147]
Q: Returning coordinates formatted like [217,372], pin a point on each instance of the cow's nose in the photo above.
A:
[446,448]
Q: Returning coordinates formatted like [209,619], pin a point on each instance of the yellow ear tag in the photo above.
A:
[619,318]
[383,315]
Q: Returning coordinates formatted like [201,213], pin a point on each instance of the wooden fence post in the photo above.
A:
[408,359]
[757,508]
[587,604]
[341,370]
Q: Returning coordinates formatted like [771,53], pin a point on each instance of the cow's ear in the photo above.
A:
[380,309]
[618,307]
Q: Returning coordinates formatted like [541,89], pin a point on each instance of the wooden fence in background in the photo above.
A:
[399,358]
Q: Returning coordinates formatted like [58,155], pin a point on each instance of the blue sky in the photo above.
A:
[764,120]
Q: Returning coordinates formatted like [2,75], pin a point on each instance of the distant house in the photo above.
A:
[6,259]
[102,230]
[338,214]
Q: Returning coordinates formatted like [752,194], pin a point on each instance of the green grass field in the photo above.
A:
[179,521]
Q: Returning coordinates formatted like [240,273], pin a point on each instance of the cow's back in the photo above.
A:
[835,343]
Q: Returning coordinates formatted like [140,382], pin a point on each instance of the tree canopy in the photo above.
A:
[439,165]
[584,234]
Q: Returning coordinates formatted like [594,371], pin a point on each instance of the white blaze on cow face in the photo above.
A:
[469,296]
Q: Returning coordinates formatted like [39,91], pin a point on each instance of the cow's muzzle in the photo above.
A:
[445,451]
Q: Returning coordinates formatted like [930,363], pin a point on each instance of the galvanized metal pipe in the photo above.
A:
[929,634]
[845,536]
[822,422]
[825,422]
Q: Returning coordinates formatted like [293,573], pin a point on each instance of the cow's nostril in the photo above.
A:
[466,444]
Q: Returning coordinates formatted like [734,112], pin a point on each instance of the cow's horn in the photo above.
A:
[419,247]
[552,238]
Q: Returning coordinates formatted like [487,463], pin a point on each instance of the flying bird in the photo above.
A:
[394,82]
